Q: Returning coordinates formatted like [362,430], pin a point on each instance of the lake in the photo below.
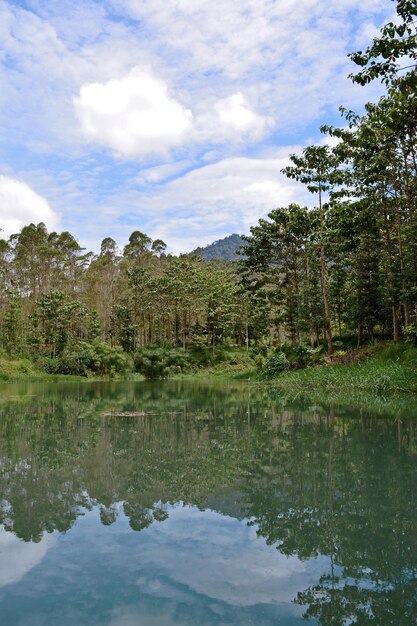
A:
[197,503]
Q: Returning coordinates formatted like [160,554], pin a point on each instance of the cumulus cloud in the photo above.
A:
[258,61]
[230,118]
[20,205]
[134,115]
[234,112]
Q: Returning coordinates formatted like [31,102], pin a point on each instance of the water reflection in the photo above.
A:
[286,507]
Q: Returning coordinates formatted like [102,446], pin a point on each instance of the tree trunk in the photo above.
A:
[323,281]
[395,332]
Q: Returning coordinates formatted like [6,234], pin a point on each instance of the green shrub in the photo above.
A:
[304,356]
[161,361]
[15,368]
[318,355]
[201,355]
[101,358]
[66,363]
[276,364]
[96,358]
[24,366]
[410,334]
[260,361]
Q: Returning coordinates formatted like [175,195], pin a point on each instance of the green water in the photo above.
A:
[217,503]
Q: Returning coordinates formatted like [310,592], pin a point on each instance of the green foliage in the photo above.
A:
[161,361]
[95,358]
[122,326]
[12,326]
[381,369]
[346,267]
[106,360]
[276,364]
[410,334]
[202,356]
[68,363]
[304,356]
[14,369]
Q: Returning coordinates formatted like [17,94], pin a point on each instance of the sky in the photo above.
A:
[173,117]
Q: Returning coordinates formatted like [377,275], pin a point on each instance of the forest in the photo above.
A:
[307,279]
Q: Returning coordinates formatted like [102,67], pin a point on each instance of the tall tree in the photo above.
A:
[317,168]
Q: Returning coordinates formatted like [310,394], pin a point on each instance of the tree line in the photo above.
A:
[57,299]
[350,264]
[346,267]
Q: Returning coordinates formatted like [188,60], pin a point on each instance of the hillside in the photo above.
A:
[221,249]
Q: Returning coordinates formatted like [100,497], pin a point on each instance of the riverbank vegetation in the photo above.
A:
[377,370]
[312,285]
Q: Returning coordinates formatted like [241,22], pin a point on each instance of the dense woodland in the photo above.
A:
[347,267]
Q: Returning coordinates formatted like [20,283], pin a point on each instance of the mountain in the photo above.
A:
[221,249]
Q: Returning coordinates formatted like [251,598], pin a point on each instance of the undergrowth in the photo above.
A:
[389,368]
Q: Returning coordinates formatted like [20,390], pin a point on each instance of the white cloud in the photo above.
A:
[277,58]
[224,76]
[233,111]
[160,173]
[203,204]
[134,115]
[189,209]
[237,35]
[20,205]
[233,117]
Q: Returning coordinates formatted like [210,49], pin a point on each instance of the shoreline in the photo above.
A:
[388,368]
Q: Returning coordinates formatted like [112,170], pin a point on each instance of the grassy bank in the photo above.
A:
[379,370]
[230,363]
[233,363]
[16,370]
[384,369]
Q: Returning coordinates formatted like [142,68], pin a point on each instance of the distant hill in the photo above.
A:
[222,249]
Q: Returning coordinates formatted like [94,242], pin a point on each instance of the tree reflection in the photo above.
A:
[314,481]
[342,489]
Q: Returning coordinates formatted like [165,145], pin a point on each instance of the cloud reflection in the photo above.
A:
[18,557]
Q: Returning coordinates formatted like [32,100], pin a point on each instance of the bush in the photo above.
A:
[304,356]
[101,358]
[161,361]
[410,334]
[260,361]
[67,363]
[276,364]
[97,358]
[201,355]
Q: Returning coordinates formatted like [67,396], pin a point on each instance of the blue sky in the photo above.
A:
[173,117]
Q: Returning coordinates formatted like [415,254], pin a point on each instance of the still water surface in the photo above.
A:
[217,503]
